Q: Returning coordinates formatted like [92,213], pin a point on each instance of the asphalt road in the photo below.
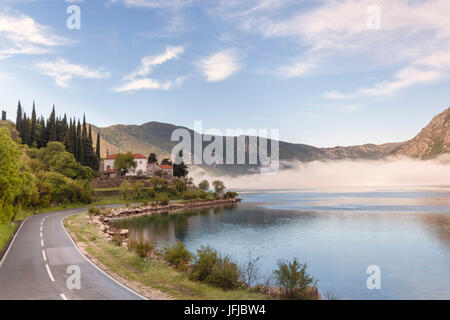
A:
[42,263]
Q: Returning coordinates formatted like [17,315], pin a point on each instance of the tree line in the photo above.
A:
[76,136]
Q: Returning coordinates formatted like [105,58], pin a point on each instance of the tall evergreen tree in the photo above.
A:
[26,131]
[42,134]
[51,126]
[79,146]
[33,136]
[97,147]
[3,115]
[19,118]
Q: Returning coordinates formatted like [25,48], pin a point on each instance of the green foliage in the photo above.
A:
[180,185]
[142,248]
[177,255]
[152,158]
[212,268]
[189,195]
[138,190]
[164,201]
[231,195]
[55,158]
[203,185]
[219,187]
[124,162]
[293,279]
[125,189]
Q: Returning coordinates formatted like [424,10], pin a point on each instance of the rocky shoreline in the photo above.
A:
[171,207]
[103,217]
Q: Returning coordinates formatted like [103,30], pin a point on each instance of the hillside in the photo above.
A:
[155,137]
[431,141]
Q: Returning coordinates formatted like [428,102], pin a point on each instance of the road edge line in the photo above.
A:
[11,242]
[97,267]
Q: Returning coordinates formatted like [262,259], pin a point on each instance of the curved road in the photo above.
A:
[37,261]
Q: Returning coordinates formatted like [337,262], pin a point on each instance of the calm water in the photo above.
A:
[338,234]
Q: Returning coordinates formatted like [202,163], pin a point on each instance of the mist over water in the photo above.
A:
[343,173]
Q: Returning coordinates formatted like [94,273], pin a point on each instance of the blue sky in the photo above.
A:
[312,69]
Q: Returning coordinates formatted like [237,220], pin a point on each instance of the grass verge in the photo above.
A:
[150,277]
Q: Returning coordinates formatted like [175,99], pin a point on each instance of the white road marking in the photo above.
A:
[43,255]
[63,296]
[41,235]
[97,267]
[12,241]
[41,228]
[49,273]
[42,243]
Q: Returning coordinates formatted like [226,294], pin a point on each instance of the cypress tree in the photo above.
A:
[19,118]
[26,132]
[33,136]
[3,115]
[43,133]
[79,146]
[97,148]
[51,126]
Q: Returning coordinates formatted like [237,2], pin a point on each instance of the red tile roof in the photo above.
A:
[135,156]
[165,166]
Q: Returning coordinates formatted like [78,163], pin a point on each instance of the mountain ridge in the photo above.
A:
[154,136]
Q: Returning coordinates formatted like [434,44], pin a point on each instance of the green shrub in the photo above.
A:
[142,248]
[180,185]
[211,268]
[172,190]
[138,190]
[93,211]
[164,201]
[189,195]
[151,193]
[125,189]
[293,279]
[177,255]
[203,195]
[231,195]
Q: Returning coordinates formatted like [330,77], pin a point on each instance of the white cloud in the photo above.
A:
[149,84]
[414,37]
[220,65]
[20,34]
[62,71]
[137,82]
[153,4]
[147,63]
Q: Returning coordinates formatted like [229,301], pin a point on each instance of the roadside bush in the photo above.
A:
[142,248]
[93,211]
[211,268]
[293,279]
[177,255]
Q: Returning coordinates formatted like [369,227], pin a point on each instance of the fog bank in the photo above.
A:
[340,173]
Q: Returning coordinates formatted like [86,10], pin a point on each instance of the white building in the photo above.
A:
[141,165]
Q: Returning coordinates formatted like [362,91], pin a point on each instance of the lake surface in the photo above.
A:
[406,232]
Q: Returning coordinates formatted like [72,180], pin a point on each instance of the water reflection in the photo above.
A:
[406,234]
